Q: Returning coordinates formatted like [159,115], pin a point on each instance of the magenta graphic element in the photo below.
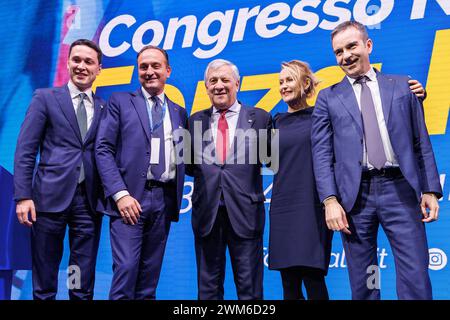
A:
[61,74]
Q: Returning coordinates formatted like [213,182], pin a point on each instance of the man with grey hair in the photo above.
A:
[228,199]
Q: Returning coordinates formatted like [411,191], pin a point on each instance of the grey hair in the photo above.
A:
[217,63]
[350,24]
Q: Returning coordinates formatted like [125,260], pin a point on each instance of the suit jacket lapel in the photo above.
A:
[207,136]
[138,101]
[348,99]
[246,120]
[206,127]
[174,114]
[97,115]
[386,92]
[62,95]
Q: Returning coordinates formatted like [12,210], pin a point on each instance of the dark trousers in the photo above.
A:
[138,249]
[47,244]
[246,260]
[313,279]
[391,202]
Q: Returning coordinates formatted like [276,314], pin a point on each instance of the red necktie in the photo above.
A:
[222,137]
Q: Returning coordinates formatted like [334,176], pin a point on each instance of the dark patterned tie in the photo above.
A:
[82,124]
[374,143]
[158,132]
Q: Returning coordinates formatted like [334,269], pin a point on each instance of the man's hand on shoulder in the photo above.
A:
[417,88]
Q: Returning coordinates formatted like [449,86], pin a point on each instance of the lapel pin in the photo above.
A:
[101,106]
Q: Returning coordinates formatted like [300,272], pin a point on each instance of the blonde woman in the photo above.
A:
[300,242]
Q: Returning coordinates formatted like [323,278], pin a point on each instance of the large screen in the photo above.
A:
[411,37]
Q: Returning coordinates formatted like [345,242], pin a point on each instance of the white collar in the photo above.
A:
[235,107]
[371,74]
[74,91]
[148,96]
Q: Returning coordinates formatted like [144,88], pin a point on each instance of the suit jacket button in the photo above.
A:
[143,174]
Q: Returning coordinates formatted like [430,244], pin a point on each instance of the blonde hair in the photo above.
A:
[303,76]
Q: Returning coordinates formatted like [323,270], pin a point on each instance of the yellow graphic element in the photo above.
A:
[270,81]
[201,99]
[260,82]
[122,75]
[175,95]
[329,76]
[437,103]
[113,76]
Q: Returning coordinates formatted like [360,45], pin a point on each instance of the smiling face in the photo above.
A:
[222,87]
[83,66]
[352,52]
[290,86]
[153,71]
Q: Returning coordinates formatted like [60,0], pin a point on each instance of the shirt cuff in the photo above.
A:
[328,198]
[433,194]
[117,196]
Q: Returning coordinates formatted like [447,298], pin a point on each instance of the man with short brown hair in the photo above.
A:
[143,183]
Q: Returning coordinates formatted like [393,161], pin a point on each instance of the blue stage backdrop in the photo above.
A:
[410,37]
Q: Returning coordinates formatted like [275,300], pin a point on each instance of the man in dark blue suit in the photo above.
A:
[61,124]
[228,199]
[142,177]
[374,164]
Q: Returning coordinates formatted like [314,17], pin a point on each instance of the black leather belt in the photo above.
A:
[383,172]
[150,184]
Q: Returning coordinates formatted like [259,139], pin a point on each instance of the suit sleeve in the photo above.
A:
[322,148]
[105,149]
[424,152]
[28,142]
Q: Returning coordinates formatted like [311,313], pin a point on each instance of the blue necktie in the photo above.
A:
[374,144]
[158,132]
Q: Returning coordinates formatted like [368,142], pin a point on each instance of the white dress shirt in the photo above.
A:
[375,91]
[88,101]
[89,106]
[170,172]
[232,116]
